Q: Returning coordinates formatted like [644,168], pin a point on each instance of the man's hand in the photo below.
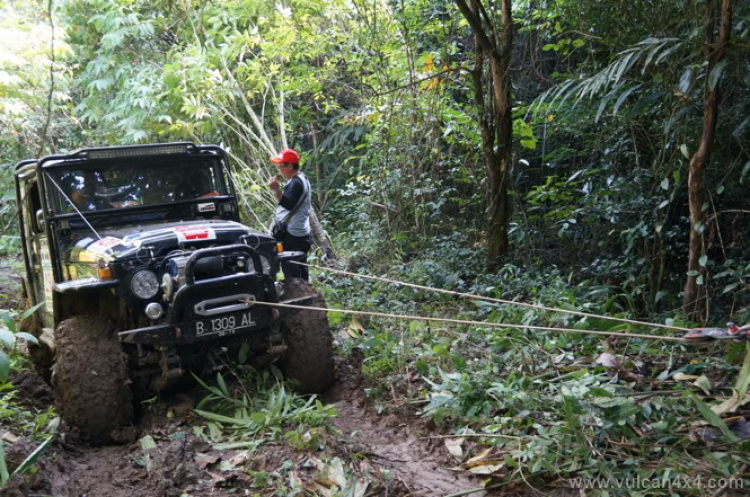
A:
[273,184]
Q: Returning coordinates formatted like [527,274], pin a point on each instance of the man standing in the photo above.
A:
[293,210]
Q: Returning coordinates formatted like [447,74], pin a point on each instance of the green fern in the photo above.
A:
[613,78]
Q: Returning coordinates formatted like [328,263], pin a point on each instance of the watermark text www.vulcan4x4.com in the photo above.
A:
[699,482]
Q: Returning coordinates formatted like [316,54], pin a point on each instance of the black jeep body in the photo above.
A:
[147,239]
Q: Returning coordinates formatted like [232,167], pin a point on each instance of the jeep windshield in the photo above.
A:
[123,185]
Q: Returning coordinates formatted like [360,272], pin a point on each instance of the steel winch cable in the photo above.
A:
[472,323]
[474,296]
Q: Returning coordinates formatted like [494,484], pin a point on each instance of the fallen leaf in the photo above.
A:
[609,361]
[203,460]
[178,435]
[217,478]
[486,467]
[294,480]
[336,472]
[320,490]
[360,488]
[684,377]
[454,447]
[357,488]
[53,425]
[9,437]
[147,442]
[482,455]
[326,482]
[239,459]
[333,471]
[731,404]
[704,384]
[355,329]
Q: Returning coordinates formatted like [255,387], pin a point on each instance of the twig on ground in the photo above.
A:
[532,487]
[478,489]
[477,435]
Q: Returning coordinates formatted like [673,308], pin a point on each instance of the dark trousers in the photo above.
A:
[302,244]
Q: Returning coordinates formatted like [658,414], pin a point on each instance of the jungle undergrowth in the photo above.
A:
[553,406]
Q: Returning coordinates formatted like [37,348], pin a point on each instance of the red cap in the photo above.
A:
[286,155]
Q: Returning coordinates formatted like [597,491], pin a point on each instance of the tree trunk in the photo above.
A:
[497,198]
[495,118]
[318,169]
[695,294]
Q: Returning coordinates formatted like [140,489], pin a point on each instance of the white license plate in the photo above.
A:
[224,325]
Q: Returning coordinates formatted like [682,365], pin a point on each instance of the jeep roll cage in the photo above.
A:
[89,158]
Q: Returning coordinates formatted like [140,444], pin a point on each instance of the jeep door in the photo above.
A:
[40,279]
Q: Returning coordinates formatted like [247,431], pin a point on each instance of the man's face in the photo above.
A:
[286,170]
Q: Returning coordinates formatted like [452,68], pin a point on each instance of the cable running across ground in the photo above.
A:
[473,323]
[491,299]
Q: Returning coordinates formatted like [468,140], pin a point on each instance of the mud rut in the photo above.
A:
[181,464]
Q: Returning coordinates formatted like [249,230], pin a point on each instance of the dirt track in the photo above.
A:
[181,464]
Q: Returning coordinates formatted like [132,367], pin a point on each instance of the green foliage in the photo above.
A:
[259,409]
[634,106]
[541,398]
[24,420]
[26,464]
[8,242]
[10,335]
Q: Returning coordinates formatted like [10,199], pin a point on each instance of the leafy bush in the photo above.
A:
[9,336]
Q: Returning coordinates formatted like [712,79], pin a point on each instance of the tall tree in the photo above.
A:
[495,46]
[715,51]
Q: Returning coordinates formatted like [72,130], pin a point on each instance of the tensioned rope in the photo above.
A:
[474,296]
[474,323]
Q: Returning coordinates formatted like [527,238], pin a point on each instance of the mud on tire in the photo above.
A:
[91,378]
[308,360]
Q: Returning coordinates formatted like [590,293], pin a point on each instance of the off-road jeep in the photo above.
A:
[145,271]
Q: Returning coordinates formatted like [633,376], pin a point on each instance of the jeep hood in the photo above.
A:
[159,239]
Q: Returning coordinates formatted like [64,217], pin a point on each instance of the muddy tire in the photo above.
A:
[42,358]
[308,360]
[91,378]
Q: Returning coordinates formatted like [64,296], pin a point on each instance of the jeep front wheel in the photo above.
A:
[308,360]
[91,377]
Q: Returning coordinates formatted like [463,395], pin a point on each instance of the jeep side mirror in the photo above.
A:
[40,221]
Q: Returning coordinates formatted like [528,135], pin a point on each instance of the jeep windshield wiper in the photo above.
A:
[73,205]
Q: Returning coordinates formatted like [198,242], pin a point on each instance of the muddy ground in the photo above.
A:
[389,455]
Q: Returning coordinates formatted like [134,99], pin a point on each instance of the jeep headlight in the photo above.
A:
[144,284]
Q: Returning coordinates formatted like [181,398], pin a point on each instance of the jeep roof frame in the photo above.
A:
[85,155]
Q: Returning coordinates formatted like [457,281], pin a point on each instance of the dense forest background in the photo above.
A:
[587,155]
[607,105]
